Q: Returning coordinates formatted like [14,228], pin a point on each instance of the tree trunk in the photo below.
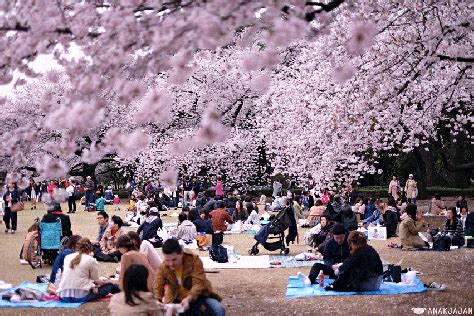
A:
[421,176]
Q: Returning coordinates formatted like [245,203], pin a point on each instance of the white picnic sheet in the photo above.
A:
[244,262]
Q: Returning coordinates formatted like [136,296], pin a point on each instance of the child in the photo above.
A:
[99,202]
[116,202]
[131,206]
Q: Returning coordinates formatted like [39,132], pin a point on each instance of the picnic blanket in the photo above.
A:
[297,289]
[36,304]
[244,262]
[291,262]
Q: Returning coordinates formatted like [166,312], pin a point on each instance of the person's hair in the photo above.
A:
[117,220]
[98,193]
[72,241]
[152,204]
[84,247]
[337,199]
[135,238]
[328,219]
[452,224]
[318,203]
[462,196]
[185,209]
[103,214]
[124,241]
[356,240]
[438,196]
[171,246]
[411,211]
[182,217]
[378,204]
[404,199]
[392,202]
[338,229]
[192,215]
[135,280]
[219,178]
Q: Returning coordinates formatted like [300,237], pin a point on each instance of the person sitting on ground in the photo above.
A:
[336,251]
[131,255]
[318,209]
[99,202]
[71,246]
[55,213]
[298,208]
[103,221]
[390,218]
[80,281]
[107,250]
[337,205]
[186,230]
[220,217]
[347,217]
[438,207]
[325,234]
[147,248]
[183,273]
[202,224]
[402,204]
[362,271]
[376,216]
[150,226]
[453,228]
[136,298]
[369,208]
[410,226]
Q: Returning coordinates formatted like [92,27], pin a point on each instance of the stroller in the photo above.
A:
[275,230]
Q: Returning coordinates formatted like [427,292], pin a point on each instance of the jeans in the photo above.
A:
[102,291]
[10,216]
[217,238]
[71,203]
[231,211]
[214,307]
[89,198]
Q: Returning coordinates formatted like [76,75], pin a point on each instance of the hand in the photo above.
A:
[185,303]
[161,305]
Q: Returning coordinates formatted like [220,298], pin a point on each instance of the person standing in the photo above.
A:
[72,194]
[51,187]
[411,189]
[33,193]
[89,188]
[219,187]
[394,188]
[188,191]
[11,197]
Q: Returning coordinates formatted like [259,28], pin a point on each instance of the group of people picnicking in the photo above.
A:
[336,220]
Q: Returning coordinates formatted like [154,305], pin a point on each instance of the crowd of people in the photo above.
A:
[146,282]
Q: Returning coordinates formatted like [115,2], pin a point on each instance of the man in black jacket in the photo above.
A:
[335,252]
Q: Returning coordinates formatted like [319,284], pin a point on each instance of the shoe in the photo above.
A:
[7,231]
[13,232]
[23,262]
[436,287]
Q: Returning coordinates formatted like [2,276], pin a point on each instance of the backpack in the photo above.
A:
[218,254]
[442,243]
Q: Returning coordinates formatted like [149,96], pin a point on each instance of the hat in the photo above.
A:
[88,177]
[153,210]
[410,175]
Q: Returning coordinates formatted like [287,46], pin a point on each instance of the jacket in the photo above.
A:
[186,231]
[108,241]
[82,276]
[146,306]
[362,265]
[59,264]
[390,221]
[335,253]
[194,280]
[203,226]
[150,229]
[136,257]
[15,198]
[408,232]
[219,218]
[347,218]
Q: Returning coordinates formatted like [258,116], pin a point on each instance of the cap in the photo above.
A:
[153,210]
[88,177]
[410,175]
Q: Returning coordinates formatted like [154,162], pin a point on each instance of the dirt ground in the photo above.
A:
[262,291]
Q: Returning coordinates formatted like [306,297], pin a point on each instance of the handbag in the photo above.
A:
[17,207]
